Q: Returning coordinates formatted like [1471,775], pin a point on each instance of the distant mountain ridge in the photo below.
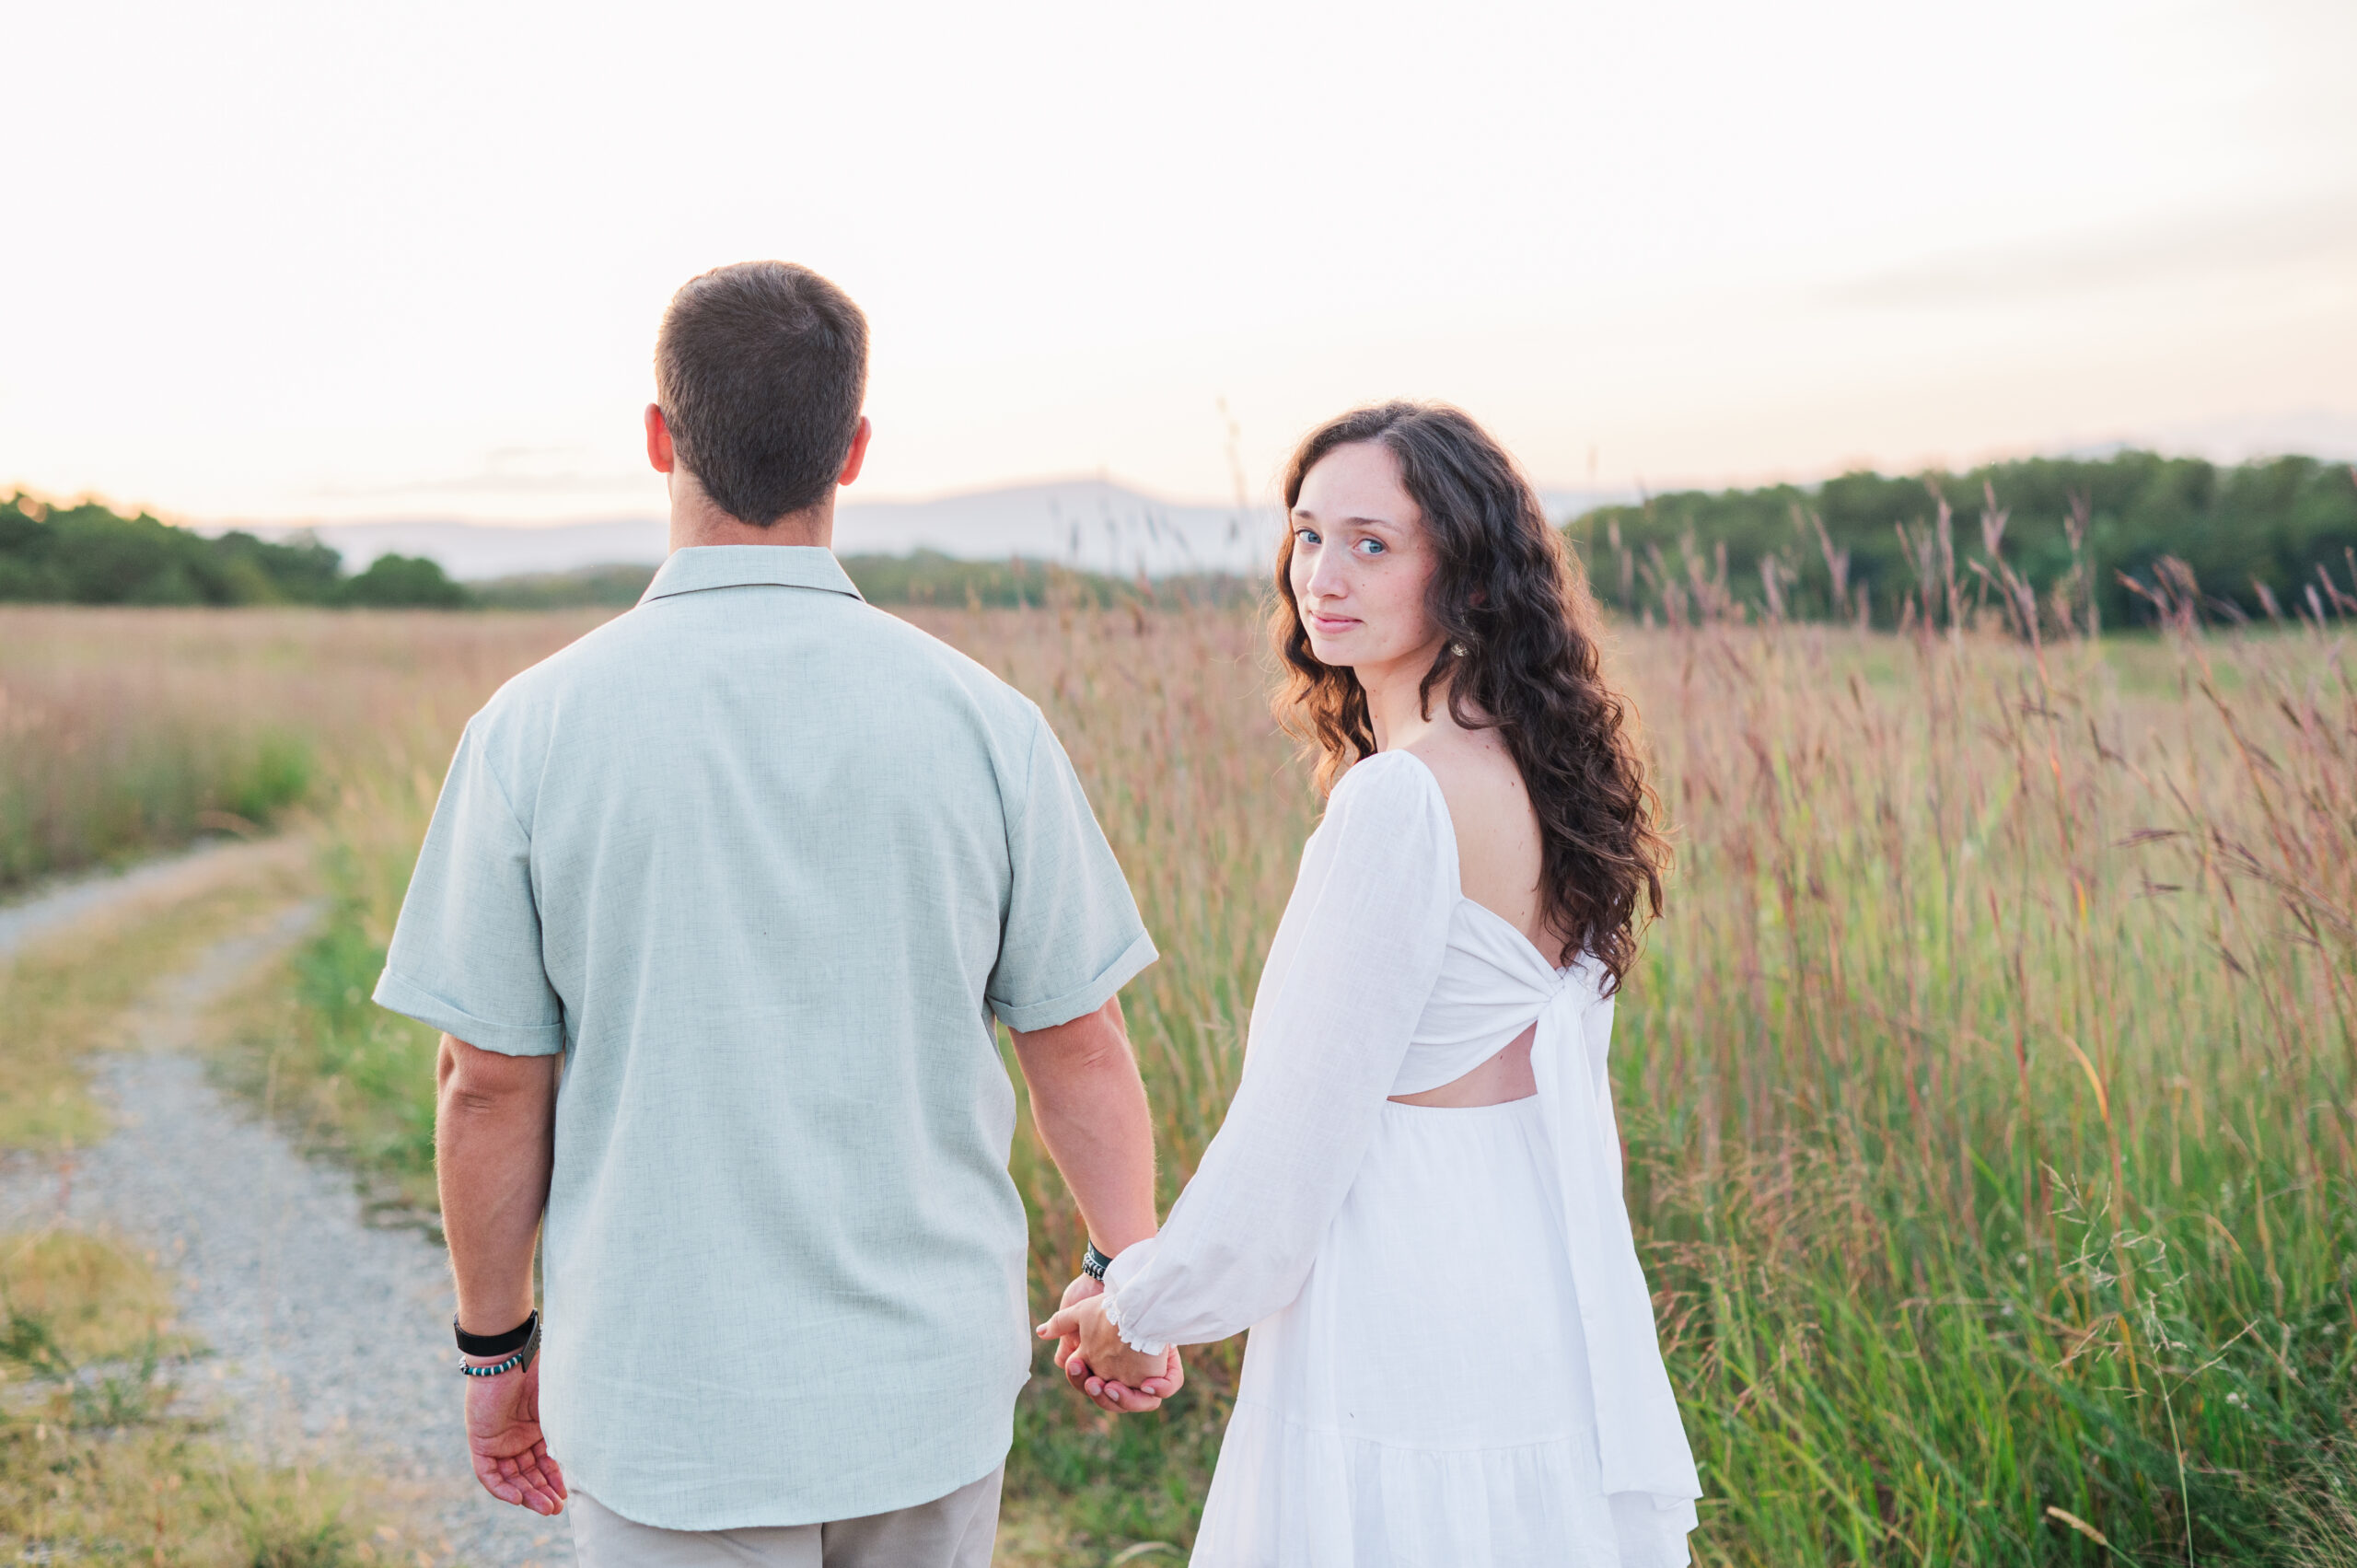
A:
[1094,525]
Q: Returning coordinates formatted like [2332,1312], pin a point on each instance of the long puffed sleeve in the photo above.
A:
[1353,963]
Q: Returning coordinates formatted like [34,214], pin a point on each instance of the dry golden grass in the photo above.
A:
[1988,1088]
[123,730]
[102,1300]
[154,1490]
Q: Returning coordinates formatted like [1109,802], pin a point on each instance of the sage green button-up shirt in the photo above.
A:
[763,862]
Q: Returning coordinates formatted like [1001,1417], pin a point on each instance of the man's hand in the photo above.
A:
[1102,1367]
[503,1439]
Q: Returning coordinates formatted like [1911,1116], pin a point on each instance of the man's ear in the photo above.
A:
[858,451]
[659,441]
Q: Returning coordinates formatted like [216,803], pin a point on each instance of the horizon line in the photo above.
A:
[1639,487]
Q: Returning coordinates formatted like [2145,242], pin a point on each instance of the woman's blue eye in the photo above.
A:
[1306,535]
[1374,546]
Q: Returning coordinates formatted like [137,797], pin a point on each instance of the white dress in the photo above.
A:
[1453,1357]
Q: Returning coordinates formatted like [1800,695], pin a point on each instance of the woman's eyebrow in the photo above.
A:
[1307,515]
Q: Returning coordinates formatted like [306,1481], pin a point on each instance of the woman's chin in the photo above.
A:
[1334,651]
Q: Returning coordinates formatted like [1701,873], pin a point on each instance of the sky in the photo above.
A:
[320,260]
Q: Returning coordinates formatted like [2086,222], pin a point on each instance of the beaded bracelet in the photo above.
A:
[1094,1263]
[522,1358]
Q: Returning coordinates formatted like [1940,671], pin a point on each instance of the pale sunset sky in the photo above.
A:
[282,263]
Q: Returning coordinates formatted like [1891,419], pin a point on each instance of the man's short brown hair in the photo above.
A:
[760,369]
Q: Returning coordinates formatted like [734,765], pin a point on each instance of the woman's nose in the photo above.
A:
[1326,576]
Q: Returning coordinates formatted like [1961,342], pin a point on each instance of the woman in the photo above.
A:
[1414,1201]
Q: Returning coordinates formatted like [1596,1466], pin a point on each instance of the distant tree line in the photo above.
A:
[2091,539]
[930,578]
[919,577]
[606,587]
[91,554]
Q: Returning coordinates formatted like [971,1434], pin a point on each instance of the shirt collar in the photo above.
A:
[698,567]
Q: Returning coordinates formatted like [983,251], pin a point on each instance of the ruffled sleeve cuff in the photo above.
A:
[1124,1270]
[1114,1315]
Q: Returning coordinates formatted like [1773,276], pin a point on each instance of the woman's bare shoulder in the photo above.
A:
[1477,774]
[1498,847]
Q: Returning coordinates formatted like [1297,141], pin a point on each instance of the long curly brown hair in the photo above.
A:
[1519,656]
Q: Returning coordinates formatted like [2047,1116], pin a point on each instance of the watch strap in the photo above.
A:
[507,1343]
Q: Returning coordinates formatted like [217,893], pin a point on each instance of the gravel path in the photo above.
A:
[329,1336]
[59,902]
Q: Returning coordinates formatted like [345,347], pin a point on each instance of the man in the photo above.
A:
[757,864]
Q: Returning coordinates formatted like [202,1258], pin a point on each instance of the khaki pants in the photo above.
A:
[955,1531]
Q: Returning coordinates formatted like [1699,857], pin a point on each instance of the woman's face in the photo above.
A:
[1361,562]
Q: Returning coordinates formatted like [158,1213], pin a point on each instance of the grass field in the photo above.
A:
[1988,1088]
[126,731]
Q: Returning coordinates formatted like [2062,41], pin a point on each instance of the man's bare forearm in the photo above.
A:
[494,1141]
[1090,1107]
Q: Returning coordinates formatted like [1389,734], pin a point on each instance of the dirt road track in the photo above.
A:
[329,1336]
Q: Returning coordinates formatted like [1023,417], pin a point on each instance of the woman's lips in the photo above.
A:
[1331,625]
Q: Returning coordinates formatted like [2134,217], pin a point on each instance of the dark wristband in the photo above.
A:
[1094,1263]
[515,1363]
[512,1340]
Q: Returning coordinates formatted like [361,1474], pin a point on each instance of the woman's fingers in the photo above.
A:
[1105,1393]
[1172,1377]
[1128,1401]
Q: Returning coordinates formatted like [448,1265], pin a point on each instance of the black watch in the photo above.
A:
[1094,1263]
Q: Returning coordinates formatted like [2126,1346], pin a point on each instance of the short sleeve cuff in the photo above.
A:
[414,1001]
[1028,1017]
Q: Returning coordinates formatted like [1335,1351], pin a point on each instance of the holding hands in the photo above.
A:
[1098,1364]
[1090,1109]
